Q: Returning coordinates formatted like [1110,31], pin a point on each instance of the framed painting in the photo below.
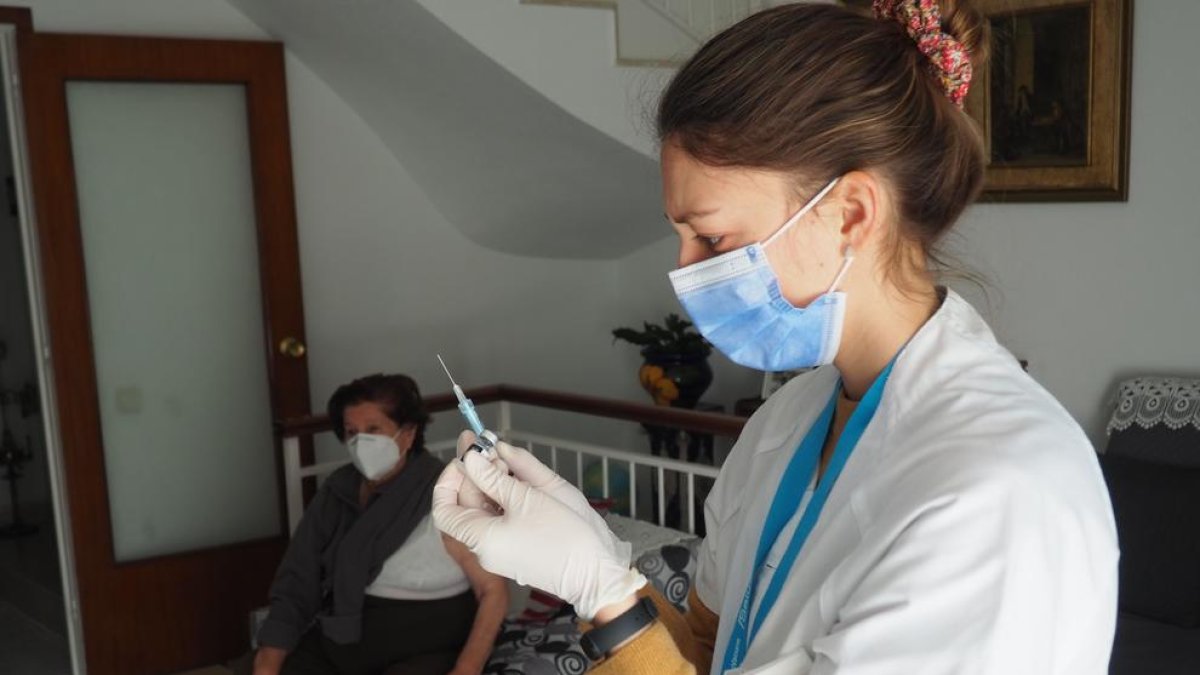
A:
[1053,101]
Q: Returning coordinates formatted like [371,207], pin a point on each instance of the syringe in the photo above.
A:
[485,441]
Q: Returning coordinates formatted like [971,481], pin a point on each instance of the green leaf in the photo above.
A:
[674,335]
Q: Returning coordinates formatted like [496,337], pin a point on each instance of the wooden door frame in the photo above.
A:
[48,62]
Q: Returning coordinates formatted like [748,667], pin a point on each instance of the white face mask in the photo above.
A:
[373,454]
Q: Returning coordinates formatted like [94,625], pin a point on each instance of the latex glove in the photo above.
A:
[469,495]
[547,536]
[526,467]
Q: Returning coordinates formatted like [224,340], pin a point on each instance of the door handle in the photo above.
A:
[292,347]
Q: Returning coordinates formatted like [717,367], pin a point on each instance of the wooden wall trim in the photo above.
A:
[688,420]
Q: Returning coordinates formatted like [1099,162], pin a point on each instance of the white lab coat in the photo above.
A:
[969,533]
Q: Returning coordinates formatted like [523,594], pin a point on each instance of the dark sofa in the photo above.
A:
[1152,466]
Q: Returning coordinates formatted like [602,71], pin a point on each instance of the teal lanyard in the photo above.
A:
[796,478]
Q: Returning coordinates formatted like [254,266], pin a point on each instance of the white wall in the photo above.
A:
[503,164]
[387,281]
[568,54]
[1092,293]
[165,18]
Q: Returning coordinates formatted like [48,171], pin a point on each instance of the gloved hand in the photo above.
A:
[528,468]
[469,495]
[547,536]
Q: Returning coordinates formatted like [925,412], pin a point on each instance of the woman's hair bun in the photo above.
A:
[963,21]
[952,34]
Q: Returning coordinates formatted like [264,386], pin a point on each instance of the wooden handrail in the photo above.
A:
[689,420]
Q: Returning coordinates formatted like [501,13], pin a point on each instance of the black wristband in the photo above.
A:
[598,642]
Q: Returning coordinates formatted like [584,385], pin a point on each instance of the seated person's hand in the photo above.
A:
[269,661]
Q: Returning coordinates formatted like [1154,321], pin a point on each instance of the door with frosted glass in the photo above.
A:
[165,210]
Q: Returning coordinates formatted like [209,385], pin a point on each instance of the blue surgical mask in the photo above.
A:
[735,301]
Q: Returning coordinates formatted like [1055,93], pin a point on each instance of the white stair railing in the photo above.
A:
[551,450]
[689,23]
[702,19]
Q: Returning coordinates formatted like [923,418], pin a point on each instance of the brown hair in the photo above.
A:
[822,90]
[397,395]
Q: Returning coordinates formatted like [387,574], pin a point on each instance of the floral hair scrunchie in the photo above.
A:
[922,19]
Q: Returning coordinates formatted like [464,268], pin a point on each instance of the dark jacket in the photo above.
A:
[338,549]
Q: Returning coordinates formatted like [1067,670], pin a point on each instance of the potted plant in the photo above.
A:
[675,371]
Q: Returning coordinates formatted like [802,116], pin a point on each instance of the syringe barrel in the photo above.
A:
[468,412]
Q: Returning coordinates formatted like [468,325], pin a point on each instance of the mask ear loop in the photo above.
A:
[849,254]
[803,210]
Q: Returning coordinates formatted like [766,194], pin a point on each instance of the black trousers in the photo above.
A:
[400,637]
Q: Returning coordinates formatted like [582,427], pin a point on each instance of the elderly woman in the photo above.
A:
[368,585]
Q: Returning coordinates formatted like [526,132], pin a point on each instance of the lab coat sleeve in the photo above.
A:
[976,583]
[720,507]
[709,580]
[676,644]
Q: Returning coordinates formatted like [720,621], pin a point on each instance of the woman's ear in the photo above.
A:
[861,199]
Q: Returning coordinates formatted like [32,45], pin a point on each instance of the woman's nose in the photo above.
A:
[692,251]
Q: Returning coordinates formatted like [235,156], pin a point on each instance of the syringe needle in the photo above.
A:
[452,382]
[485,440]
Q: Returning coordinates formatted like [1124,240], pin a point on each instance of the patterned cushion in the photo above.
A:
[551,647]
[539,649]
[671,570]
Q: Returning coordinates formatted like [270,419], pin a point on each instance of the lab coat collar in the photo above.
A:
[954,316]
[780,432]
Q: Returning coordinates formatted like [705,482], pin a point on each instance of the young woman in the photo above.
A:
[919,504]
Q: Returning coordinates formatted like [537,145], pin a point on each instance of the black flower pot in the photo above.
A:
[674,379]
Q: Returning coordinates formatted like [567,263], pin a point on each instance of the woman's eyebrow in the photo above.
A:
[690,215]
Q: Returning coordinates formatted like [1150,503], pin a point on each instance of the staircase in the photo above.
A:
[664,33]
[526,122]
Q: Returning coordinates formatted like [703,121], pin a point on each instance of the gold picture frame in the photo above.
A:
[1053,102]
